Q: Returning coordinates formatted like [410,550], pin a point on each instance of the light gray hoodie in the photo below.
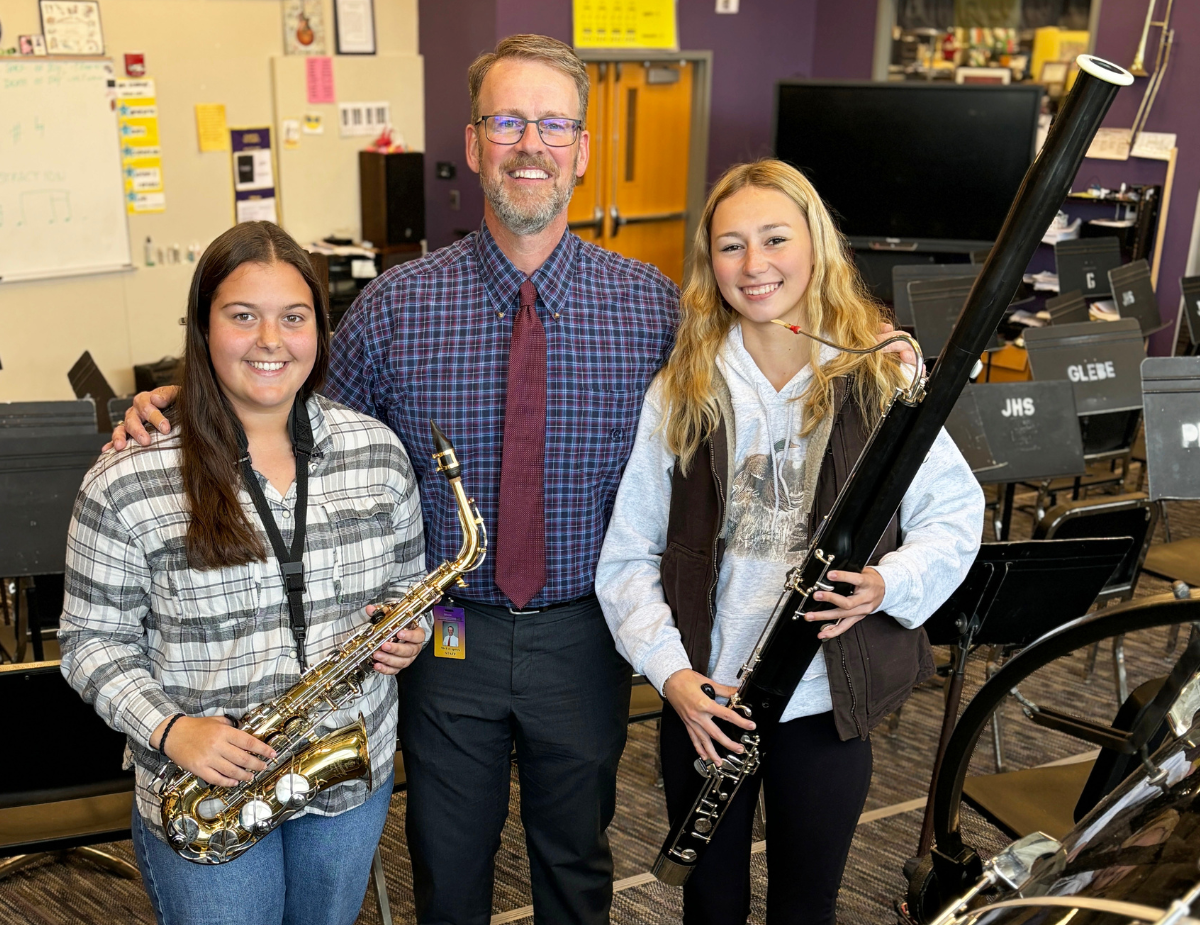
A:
[765,532]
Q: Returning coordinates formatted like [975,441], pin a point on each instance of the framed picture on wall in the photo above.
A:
[72,28]
[303,28]
[354,23]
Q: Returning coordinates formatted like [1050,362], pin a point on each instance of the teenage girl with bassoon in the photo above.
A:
[745,438]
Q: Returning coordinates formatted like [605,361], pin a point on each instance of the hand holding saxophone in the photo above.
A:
[684,690]
[866,598]
[397,654]
[213,749]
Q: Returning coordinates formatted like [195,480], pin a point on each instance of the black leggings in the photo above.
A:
[816,786]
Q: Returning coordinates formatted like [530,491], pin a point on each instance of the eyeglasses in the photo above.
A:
[508,130]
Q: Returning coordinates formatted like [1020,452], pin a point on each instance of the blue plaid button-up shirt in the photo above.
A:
[430,338]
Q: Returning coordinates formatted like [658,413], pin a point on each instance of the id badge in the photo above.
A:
[449,636]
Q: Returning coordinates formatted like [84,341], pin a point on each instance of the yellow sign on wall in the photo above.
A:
[625,24]
[141,156]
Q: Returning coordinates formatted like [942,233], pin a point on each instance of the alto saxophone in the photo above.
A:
[211,825]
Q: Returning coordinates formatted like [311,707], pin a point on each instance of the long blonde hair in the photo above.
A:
[836,302]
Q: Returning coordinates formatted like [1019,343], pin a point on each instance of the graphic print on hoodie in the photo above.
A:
[768,513]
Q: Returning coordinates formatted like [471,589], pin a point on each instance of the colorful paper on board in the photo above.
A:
[318,75]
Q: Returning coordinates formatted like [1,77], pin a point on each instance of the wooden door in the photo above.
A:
[650,113]
[588,206]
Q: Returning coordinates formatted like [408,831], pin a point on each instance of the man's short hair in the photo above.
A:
[549,51]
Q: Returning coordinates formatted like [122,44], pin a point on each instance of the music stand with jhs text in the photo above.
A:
[1033,433]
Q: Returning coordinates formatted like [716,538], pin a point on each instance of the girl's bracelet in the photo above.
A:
[162,743]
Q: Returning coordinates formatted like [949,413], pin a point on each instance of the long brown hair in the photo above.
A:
[219,533]
[836,302]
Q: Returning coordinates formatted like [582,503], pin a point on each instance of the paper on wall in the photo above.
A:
[1111,144]
[211,130]
[256,210]
[1154,145]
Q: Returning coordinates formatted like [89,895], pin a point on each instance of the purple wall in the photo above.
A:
[751,50]
[544,17]
[451,34]
[846,49]
[1174,111]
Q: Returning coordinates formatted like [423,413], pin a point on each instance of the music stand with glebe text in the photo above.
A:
[1014,593]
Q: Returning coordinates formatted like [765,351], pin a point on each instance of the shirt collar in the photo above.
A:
[552,279]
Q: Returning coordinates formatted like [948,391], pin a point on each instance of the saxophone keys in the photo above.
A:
[255,817]
[293,790]
[223,841]
[184,830]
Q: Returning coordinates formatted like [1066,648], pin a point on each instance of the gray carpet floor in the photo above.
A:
[68,890]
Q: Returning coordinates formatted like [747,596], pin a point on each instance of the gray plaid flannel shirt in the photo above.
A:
[144,637]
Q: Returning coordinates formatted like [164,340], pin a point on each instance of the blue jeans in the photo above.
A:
[312,870]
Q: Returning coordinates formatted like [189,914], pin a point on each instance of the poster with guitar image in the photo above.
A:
[303,28]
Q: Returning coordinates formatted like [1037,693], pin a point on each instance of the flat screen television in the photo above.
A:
[910,166]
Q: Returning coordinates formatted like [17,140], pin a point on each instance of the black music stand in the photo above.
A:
[1033,430]
[1102,359]
[1014,594]
[1171,386]
[88,382]
[1133,295]
[1190,288]
[905,273]
[1068,308]
[1084,263]
[965,427]
[43,459]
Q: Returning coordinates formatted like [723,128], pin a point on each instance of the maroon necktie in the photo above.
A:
[521,545]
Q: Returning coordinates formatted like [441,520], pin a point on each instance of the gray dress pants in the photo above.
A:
[553,684]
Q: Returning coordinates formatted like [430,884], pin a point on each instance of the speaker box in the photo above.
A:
[392,188]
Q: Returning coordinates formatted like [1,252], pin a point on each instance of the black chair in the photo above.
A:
[62,788]
[1013,594]
[1132,515]
[1051,798]
[1108,437]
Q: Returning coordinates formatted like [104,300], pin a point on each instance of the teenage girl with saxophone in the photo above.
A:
[745,438]
[177,616]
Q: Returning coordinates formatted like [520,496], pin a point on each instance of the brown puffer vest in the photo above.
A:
[874,666]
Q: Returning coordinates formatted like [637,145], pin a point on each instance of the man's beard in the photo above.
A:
[526,218]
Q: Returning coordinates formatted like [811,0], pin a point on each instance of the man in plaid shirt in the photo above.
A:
[431,339]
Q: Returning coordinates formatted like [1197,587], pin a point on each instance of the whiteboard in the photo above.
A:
[62,197]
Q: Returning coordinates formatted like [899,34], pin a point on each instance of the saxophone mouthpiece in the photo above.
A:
[443,453]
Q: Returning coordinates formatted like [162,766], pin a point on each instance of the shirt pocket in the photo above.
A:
[212,606]
[364,548]
[610,427]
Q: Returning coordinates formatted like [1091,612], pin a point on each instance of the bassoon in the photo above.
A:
[903,436]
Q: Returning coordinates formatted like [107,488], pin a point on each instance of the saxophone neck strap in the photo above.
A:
[291,561]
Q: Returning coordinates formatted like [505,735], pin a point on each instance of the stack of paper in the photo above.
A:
[1104,310]
[1062,229]
[1045,281]
[1028,319]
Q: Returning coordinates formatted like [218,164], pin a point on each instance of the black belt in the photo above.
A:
[575,601]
